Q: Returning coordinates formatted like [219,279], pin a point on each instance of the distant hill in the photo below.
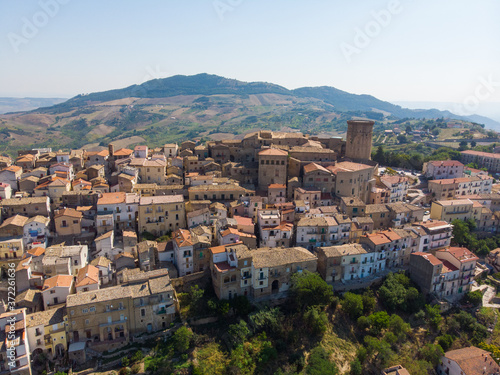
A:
[204,106]
[26,104]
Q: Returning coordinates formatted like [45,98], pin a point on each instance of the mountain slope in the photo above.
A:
[200,84]
[204,106]
[209,84]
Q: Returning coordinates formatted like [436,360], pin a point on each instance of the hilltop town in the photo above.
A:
[106,249]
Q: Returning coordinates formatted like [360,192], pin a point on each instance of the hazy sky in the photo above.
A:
[395,50]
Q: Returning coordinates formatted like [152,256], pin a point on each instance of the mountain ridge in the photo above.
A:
[210,84]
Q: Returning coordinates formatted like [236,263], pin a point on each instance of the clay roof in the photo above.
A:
[104,236]
[378,238]
[59,280]
[446,163]
[243,220]
[12,168]
[87,275]
[69,212]
[473,361]
[429,257]
[461,253]
[101,261]
[46,318]
[183,237]
[112,198]
[348,166]
[273,152]
[315,167]
[161,199]
[123,152]
[23,201]
[273,257]
[277,186]
[36,251]
[341,250]
[16,220]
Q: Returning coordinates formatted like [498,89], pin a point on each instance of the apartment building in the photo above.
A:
[319,177]
[396,187]
[468,361]
[276,193]
[348,262]
[161,214]
[273,164]
[434,275]
[26,206]
[486,160]
[433,234]
[123,206]
[222,192]
[315,232]
[455,188]
[443,169]
[258,274]
[451,210]
[353,179]
[46,332]
[394,246]
[56,290]
[106,318]
[465,261]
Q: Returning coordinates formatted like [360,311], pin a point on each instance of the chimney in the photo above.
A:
[111,149]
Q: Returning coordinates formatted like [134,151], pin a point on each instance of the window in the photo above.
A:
[92,309]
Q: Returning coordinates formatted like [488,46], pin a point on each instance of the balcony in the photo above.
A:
[161,311]
[354,261]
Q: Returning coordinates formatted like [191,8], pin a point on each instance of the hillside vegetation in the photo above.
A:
[185,107]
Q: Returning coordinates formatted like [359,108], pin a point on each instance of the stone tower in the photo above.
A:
[359,139]
[272,167]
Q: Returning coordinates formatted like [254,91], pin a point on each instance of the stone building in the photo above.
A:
[272,167]
[359,139]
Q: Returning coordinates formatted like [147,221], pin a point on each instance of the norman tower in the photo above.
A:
[359,139]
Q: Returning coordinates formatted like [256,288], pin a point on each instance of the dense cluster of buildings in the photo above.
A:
[79,226]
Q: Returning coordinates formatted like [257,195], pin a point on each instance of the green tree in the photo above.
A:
[445,341]
[399,327]
[431,353]
[319,363]
[309,289]
[210,360]
[316,320]
[352,305]
[379,155]
[182,339]
[238,332]
[397,293]
[369,301]
[462,146]
[475,297]
[402,139]
[356,367]
[433,315]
